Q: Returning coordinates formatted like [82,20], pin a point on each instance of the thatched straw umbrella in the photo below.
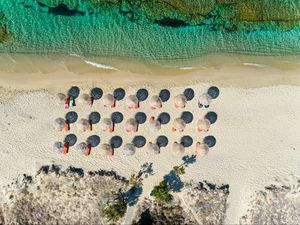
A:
[131,125]
[84,99]
[155,102]
[61,98]
[59,124]
[180,101]
[153,148]
[204,100]
[106,124]
[58,147]
[83,148]
[178,124]
[106,150]
[83,125]
[201,149]
[132,102]
[128,150]
[203,125]
[178,148]
[109,100]
[154,124]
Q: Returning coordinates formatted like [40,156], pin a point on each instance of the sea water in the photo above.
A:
[113,35]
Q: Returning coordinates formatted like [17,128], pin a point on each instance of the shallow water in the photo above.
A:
[34,29]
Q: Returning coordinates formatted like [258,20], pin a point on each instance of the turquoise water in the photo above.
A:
[36,31]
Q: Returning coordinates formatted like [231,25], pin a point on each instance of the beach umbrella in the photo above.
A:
[203,125]
[96,93]
[139,141]
[116,117]
[187,117]
[129,149]
[178,148]
[204,100]
[180,101]
[83,125]
[140,117]
[154,124]
[71,117]
[162,141]
[178,124]
[153,148]
[155,102]
[202,149]
[189,94]
[186,141]
[211,117]
[210,141]
[164,95]
[83,99]
[71,139]
[106,149]
[106,124]
[108,100]
[61,98]
[119,94]
[59,124]
[213,92]
[131,125]
[132,101]
[164,118]
[93,140]
[116,142]
[83,148]
[58,147]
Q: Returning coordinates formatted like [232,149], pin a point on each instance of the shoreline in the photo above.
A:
[34,72]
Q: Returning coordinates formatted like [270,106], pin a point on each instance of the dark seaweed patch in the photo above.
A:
[62,10]
[169,22]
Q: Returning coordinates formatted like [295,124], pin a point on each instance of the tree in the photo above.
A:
[136,180]
[116,210]
[179,170]
[161,192]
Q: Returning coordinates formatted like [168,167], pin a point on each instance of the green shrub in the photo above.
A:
[161,192]
[115,211]
[179,170]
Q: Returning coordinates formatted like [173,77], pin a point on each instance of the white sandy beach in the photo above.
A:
[257,130]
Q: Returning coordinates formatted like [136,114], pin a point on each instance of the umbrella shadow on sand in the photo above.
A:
[71,139]
[93,140]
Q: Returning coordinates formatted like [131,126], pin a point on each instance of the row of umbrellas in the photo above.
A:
[132,124]
[133,100]
[129,149]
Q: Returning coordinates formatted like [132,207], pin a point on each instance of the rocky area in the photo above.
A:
[60,197]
